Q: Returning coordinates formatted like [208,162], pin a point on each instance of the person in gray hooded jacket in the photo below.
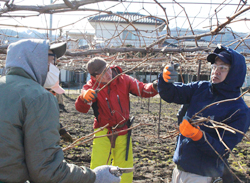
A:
[29,120]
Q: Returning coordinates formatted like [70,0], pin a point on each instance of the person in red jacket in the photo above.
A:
[111,106]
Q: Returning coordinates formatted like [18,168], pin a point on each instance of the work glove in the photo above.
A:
[155,85]
[103,175]
[189,131]
[169,73]
[89,95]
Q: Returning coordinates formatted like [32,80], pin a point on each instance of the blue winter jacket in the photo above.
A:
[197,156]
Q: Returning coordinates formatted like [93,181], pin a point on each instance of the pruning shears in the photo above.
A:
[116,171]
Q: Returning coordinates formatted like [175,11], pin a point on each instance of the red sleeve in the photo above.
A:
[80,105]
[141,89]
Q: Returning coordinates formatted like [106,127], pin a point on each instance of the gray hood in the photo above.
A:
[30,55]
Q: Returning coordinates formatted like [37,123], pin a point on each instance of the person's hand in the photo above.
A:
[67,137]
[103,175]
[169,73]
[88,95]
[189,131]
[155,85]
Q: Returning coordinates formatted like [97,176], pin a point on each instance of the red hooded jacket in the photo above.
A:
[112,104]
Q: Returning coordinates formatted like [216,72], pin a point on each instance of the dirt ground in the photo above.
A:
[152,153]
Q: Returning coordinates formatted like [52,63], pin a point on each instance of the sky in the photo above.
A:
[201,14]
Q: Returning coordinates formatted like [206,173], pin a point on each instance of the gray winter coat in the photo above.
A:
[29,121]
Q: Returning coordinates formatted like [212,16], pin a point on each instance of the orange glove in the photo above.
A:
[89,95]
[169,73]
[189,131]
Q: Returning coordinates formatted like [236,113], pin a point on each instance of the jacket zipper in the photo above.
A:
[109,106]
[119,102]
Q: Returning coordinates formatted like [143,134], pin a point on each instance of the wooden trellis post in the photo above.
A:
[199,70]
[150,82]
[159,123]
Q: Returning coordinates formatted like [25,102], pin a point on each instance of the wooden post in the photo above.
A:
[67,81]
[150,82]
[199,70]
[159,123]
[182,80]
[80,81]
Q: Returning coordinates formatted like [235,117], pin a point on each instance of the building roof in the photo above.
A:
[132,17]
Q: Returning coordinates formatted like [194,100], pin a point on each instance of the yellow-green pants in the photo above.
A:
[101,150]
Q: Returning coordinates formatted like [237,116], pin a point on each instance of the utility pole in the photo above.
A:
[50,31]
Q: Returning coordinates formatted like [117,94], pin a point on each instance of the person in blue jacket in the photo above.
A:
[196,160]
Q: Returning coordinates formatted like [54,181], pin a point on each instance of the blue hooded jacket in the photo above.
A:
[197,156]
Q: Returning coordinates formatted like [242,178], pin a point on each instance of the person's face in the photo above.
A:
[107,76]
[219,71]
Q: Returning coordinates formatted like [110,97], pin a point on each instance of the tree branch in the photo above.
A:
[48,8]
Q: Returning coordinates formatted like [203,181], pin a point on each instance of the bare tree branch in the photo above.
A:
[70,4]
[221,101]
[142,50]
[196,37]
[49,9]
[229,19]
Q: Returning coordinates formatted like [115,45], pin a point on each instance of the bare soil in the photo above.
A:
[152,154]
